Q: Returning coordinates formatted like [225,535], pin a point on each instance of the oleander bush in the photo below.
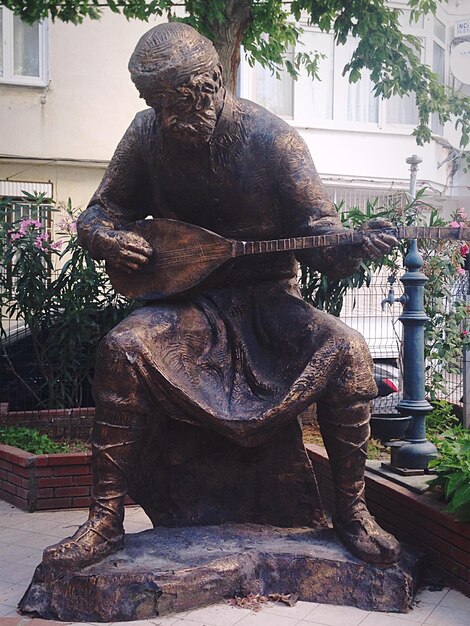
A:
[62,299]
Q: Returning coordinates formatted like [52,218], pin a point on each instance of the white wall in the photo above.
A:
[68,181]
[90,101]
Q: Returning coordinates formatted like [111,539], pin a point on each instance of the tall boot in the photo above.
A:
[114,444]
[345,431]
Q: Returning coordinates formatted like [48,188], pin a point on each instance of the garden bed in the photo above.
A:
[57,481]
[419,520]
[45,481]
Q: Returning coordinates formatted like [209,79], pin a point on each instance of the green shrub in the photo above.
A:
[30,440]
[447,331]
[441,419]
[64,299]
[453,470]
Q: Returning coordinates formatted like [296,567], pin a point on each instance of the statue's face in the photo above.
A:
[187,113]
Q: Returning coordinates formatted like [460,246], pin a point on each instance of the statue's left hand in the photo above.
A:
[375,245]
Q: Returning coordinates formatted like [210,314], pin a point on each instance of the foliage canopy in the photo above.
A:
[267,29]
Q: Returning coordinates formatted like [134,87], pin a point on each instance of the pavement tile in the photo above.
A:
[456,600]
[184,622]
[140,622]
[38,526]
[446,616]
[37,542]
[299,611]
[331,615]
[218,614]
[15,573]
[11,594]
[166,621]
[23,536]
[12,552]
[384,619]
[266,619]
[136,527]
[32,559]
[431,597]
[417,614]
[11,620]
[15,536]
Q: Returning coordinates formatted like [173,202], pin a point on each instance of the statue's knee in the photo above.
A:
[119,346]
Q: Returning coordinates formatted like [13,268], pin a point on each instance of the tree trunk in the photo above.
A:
[229,36]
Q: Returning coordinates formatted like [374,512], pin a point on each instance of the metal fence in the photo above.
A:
[368,311]
[364,309]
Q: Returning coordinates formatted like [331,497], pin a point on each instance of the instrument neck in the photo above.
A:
[349,237]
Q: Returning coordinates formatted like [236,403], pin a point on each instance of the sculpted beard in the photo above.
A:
[195,127]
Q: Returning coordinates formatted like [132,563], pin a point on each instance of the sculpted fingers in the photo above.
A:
[135,243]
[123,249]
[374,246]
[127,259]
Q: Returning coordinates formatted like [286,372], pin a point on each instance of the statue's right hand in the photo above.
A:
[122,249]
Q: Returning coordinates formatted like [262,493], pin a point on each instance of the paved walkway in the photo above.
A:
[23,536]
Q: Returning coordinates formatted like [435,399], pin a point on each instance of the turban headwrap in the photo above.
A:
[171,54]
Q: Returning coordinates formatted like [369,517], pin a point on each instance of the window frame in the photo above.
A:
[301,118]
[7,42]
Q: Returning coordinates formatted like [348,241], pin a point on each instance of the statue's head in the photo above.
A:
[177,72]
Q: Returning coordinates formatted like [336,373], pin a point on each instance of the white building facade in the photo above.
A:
[66,99]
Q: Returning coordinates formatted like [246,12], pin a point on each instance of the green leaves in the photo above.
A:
[447,332]
[269,31]
[30,440]
[66,309]
[453,470]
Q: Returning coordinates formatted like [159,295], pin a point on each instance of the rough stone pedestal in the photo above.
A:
[164,570]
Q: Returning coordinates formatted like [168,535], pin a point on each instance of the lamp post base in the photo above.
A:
[412,455]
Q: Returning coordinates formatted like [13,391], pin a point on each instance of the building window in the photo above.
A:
[333,99]
[438,65]
[265,88]
[23,51]
[17,209]
[318,102]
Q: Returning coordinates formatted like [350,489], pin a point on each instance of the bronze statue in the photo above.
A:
[244,355]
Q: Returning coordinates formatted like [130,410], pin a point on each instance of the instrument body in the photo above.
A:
[186,256]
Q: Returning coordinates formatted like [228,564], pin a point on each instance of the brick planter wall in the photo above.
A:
[419,520]
[68,423]
[44,481]
[57,481]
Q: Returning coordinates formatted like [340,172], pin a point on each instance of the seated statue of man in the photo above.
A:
[246,355]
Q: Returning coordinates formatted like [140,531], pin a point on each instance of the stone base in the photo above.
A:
[164,570]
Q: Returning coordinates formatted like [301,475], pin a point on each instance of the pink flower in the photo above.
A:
[38,242]
[460,270]
[57,245]
[455,224]
[464,250]
[464,333]
[461,213]
[67,225]
[25,225]
[14,236]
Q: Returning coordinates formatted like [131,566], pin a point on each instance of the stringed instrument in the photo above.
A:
[186,256]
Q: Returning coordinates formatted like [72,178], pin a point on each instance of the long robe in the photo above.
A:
[248,354]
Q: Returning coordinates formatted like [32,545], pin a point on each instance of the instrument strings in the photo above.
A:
[209,252]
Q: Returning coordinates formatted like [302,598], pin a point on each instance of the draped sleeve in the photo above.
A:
[306,208]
